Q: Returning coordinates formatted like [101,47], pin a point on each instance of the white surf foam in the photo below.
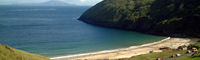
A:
[109,51]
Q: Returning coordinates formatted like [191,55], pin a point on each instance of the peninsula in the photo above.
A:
[177,18]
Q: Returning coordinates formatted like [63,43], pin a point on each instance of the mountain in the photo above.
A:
[8,53]
[178,18]
[49,3]
[55,3]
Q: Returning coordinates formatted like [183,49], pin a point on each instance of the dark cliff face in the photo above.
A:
[160,17]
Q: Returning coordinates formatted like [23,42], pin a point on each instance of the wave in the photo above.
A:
[109,51]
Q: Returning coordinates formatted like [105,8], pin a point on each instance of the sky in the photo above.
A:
[76,2]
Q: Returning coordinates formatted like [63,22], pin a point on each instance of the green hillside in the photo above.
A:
[8,53]
[161,17]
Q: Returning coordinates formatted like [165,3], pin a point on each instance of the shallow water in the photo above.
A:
[55,31]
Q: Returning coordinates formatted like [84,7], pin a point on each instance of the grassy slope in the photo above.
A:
[8,53]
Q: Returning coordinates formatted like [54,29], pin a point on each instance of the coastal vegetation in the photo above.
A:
[8,53]
[179,18]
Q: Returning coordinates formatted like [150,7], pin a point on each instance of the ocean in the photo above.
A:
[55,31]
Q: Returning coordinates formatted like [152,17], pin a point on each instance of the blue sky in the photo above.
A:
[76,2]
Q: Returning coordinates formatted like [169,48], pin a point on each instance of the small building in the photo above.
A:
[178,55]
[194,49]
[188,52]
[159,59]
[182,47]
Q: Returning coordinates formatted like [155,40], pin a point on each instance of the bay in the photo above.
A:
[55,31]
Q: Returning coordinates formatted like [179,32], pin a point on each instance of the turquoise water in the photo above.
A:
[55,31]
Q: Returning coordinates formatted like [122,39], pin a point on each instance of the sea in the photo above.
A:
[54,31]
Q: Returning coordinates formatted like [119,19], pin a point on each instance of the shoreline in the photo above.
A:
[128,52]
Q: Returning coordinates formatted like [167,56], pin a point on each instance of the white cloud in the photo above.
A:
[89,1]
[83,0]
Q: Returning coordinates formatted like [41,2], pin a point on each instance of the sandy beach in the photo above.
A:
[129,52]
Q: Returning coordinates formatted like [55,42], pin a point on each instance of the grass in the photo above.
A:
[153,56]
[166,54]
[188,58]
[8,53]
